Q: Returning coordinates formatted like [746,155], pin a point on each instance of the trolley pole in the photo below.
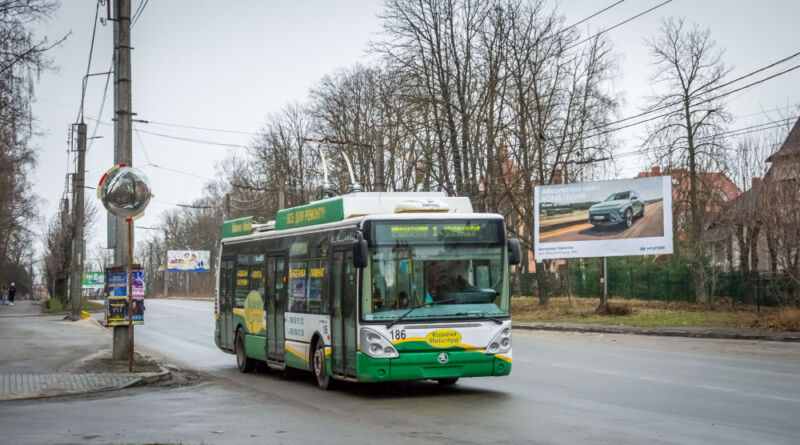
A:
[122,147]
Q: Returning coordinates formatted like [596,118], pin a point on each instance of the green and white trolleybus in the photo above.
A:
[369,287]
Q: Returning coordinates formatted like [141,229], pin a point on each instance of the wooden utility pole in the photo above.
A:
[76,274]
[122,142]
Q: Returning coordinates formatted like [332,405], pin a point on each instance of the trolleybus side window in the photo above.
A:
[308,274]
[242,279]
[257,278]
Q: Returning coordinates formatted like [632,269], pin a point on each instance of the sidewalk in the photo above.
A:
[696,332]
[45,356]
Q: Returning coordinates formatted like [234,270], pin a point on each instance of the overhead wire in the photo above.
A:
[735,132]
[598,34]
[593,15]
[89,63]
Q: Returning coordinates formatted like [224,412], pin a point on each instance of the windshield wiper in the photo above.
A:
[413,308]
[488,317]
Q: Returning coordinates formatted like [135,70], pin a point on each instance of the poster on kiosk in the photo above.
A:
[604,218]
[116,295]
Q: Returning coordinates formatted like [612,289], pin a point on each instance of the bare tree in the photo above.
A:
[689,69]
[21,61]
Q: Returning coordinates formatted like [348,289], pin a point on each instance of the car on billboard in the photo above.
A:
[617,209]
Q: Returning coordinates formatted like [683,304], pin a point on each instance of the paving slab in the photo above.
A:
[45,356]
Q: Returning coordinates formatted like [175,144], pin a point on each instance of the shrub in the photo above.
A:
[53,306]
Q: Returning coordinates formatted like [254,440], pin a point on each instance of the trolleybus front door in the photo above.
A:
[343,316]
[276,306]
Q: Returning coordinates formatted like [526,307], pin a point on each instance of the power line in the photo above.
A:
[752,73]
[752,84]
[597,127]
[617,25]
[102,106]
[735,132]
[593,15]
[678,102]
[139,11]
[193,127]
[89,64]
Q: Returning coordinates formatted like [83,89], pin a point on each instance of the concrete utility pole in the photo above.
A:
[76,274]
[122,141]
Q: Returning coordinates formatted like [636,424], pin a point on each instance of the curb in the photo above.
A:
[664,332]
[162,375]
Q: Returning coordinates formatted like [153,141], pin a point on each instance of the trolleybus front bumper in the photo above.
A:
[432,365]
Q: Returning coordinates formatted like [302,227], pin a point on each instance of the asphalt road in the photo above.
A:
[564,388]
[650,225]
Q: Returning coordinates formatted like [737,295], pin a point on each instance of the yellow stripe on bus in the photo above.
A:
[503,357]
[463,346]
[295,352]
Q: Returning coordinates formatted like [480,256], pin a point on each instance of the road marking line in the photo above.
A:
[654,379]
[784,399]
[607,372]
[718,388]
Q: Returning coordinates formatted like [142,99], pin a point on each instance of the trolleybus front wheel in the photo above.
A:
[320,368]
[244,363]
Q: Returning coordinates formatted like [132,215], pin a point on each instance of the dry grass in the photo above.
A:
[656,314]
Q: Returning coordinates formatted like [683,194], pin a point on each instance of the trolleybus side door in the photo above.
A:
[276,306]
[343,314]
[226,303]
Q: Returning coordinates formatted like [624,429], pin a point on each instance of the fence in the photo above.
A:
[652,281]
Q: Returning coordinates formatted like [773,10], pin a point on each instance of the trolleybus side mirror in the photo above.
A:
[360,253]
[514,252]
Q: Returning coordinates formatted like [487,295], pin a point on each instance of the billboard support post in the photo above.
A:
[605,280]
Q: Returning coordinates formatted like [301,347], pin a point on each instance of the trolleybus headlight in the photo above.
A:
[376,346]
[501,343]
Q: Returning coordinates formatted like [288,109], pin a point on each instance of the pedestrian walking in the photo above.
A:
[12,291]
[5,295]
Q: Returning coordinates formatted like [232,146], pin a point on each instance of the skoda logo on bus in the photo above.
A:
[443,358]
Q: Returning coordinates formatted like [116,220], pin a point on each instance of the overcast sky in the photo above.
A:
[226,65]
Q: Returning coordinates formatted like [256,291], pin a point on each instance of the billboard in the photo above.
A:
[93,280]
[604,218]
[188,261]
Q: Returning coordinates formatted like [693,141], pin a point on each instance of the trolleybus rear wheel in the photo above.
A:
[244,363]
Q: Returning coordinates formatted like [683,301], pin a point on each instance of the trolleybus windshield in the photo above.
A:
[460,266]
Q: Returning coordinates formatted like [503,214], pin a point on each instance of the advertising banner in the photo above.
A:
[189,261]
[93,280]
[604,218]
[116,295]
